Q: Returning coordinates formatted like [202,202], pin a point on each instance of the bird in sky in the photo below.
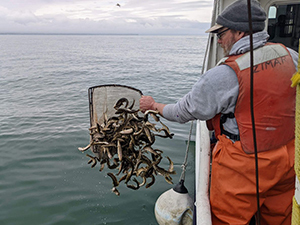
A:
[118,5]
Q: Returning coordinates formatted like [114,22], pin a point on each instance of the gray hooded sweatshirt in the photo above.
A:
[217,90]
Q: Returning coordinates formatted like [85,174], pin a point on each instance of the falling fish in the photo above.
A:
[124,141]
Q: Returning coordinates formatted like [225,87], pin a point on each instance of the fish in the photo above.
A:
[115,190]
[123,178]
[125,110]
[152,182]
[93,160]
[114,179]
[120,155]
[144,182]
[151,150]
[114,166]
[132,186]
[102,165]
[132,104]
[126,139]
[168,179]
[127,131]
[86,148]
[171,167]
[120,102]
[162,171]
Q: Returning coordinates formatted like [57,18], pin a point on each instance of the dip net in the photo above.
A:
[122,137]
[102,100]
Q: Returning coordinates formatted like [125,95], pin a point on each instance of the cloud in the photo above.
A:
[134,16]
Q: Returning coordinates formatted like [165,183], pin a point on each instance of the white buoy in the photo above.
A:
[174,207]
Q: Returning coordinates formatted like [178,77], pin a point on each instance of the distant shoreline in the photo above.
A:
[101,34]
[60,34]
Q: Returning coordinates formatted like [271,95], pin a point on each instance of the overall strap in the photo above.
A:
[223,119]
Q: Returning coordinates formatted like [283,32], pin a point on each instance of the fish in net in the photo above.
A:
[122,137]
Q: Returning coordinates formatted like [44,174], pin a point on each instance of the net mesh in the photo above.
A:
[102,100]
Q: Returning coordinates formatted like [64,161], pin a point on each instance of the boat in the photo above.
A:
[283,26]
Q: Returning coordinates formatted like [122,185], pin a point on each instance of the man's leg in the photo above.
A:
[232,195]
[277,206]
[233,181]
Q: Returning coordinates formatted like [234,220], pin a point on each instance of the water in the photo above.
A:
[44,117]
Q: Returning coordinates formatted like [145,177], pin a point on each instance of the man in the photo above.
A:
[222,95]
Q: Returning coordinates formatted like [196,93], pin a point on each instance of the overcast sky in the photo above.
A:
[105,16]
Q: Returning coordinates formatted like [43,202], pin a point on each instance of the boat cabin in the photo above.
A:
[283,26]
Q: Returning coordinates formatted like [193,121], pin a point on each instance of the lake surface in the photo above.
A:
[44,118]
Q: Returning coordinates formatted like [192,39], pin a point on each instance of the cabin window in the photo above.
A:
[284,25]
[272,12]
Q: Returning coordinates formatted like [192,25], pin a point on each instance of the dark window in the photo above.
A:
[284,25]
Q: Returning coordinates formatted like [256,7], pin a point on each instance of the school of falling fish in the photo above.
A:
[124,142]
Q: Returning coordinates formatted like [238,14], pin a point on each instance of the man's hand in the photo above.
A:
[146,103]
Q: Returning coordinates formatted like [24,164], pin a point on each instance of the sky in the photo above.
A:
[105,16]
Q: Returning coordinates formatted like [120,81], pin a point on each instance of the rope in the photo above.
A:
[296,203]
[183,166]
[252,111]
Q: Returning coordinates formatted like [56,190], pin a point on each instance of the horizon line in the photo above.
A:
[129,34]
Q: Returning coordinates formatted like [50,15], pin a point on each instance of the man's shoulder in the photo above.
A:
[220,74]
[294,55]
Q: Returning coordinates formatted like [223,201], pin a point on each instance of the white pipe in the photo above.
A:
[297,191]
[202,172]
